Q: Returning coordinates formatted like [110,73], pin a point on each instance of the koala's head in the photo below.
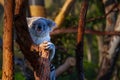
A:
[39,26]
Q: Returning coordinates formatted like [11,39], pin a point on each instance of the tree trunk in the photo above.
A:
[106,61]
[100,45]
[2,2]
[89,48]
[79,47]
[37,8]
[99,42]
[7,68]
[39,63]
[116,73]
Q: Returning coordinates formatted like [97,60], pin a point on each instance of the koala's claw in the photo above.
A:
[46,45]
[50,46]
[43,45]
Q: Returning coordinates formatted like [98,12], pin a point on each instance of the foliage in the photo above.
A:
[19,76]
[90,70]
[70,21]
[65,46]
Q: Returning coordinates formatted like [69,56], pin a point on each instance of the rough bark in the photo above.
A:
[7,67]
[39,63]
[79,47]
[106,61]
[64,12]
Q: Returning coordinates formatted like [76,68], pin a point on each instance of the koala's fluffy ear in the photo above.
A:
[51,24]
[30,20]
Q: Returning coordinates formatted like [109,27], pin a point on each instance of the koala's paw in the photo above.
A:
[48,46]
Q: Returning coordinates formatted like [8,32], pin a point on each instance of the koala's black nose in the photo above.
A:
[39,28]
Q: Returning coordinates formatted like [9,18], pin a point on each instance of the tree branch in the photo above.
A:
[64,12]
[101,17]
[87,31]
[2,2]
[70,61]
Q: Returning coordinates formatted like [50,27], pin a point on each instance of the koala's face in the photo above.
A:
[40,27]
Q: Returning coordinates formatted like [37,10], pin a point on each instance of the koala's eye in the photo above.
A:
[43,25]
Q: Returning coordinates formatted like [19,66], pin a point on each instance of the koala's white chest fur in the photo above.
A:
[39,40]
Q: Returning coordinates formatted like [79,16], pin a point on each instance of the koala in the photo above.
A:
[40,29]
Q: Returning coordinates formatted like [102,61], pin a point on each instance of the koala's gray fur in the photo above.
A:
[40,29]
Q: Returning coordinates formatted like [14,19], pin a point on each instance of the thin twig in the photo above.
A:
[101,17]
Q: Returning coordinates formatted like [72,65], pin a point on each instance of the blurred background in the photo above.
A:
[101,16]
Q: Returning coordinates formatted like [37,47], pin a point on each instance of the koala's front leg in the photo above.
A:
[48,46]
